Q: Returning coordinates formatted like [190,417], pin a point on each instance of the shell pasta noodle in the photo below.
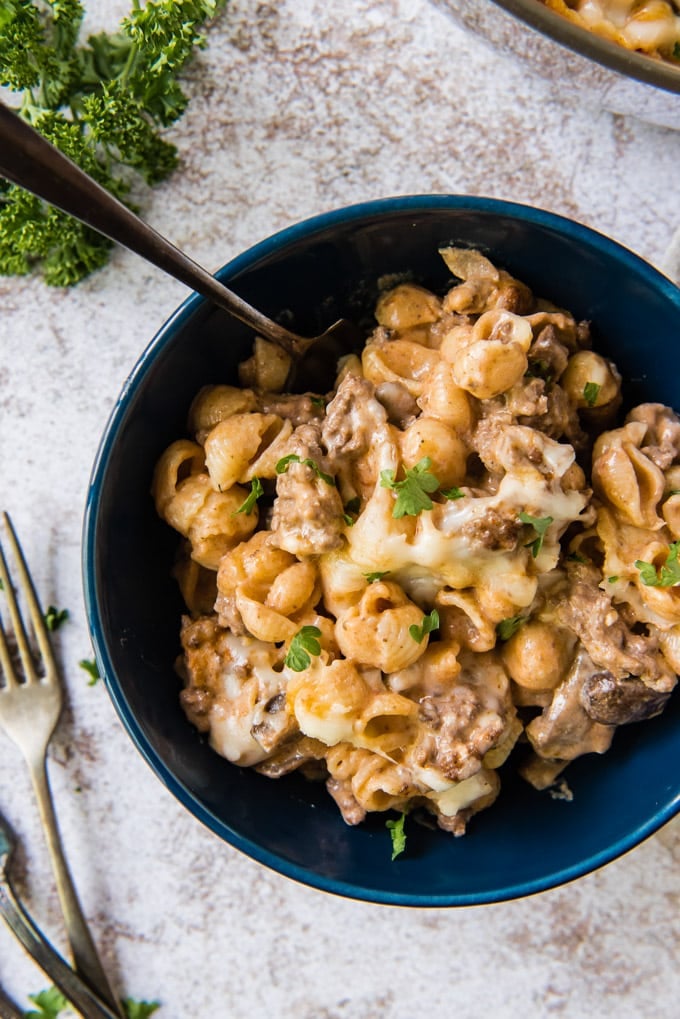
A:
[646,26]
[460,555]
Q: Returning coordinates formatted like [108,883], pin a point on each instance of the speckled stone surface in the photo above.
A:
[299,106]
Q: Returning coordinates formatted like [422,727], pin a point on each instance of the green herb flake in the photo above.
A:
[612,580]
[396,830]
[318,401]
[352,507]
[377,575]
[51,1003]
[676,51]
[667,576]
[293,458]
[453,493]
[139,1009]
[591,391]
[507,627]
[90,667]
[304,643]
[430,623]
[248,505]
[576,557]
[412,492]
[540,526]
[538,369]
[54,618]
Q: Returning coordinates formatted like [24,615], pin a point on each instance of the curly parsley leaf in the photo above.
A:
[352,507]
[249,503]
[139,1009]
[102,103]
[540,526]
[90,667]
[507,627]
[304,643]
[668,575]
[429,624]
[590,393]
[412,491]
[293,458]
[396,830]
[51,1003]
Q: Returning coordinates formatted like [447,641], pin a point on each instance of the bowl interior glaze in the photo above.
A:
[310,274]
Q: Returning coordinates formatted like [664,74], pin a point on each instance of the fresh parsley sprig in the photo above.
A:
[89,665]
[377,575]
[304,643]
[51,1004]
[293,458]
[429,624]
[413,491]
[540,526]
[668,575]
[396,830]
[508,627]
[249,503]
[102,104]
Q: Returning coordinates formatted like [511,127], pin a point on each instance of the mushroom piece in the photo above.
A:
[613,701]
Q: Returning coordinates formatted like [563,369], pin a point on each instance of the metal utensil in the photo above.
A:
[27,159]
[37,945]
[30,703]
[8,1010]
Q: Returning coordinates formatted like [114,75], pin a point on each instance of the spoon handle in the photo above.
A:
[30,161]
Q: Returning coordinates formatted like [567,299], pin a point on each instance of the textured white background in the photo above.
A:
[299,106]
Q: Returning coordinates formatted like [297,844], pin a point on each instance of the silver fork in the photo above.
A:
[29,708]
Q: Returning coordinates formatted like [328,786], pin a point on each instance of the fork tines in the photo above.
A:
[26,589]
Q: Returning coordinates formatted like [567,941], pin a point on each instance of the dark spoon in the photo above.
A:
[27,159]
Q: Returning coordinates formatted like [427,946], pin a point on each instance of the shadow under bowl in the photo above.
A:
[310,274]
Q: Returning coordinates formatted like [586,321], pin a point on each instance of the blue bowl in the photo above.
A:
[314,272]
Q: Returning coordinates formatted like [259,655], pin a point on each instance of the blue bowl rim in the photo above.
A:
[282,238]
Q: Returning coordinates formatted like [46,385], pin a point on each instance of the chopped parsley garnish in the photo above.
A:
[293,458]
[676,51]
[430,623]
[507,627]
[51,1003]
[538,369]
[590,393]
[453,493]
[351,507]
[540,526]
[412,492]
[612,580]
[248,505]
[304,643]
[139,1009]
[396,830]
[55,617]
[318,401]
[90,666]
[667,576]
[576,557]
[378,575]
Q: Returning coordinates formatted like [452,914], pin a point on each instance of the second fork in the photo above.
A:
[30,704]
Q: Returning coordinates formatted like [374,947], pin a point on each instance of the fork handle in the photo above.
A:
[86,961]
[49,960]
